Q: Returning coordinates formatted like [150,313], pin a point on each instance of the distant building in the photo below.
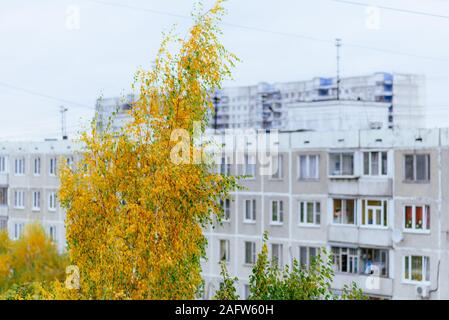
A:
[267,106]
[115,109]
[333,115]
[29,185]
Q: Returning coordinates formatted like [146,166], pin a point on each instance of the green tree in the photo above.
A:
[269,282]
[227,289]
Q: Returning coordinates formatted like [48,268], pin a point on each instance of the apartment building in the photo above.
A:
[378,200]
[29,184]
[381,99]
[266,106]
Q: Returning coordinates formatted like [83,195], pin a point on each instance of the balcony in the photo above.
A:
[360,235]
[4,179]
[355,185]
[376,286]
[343,184]
[3,210]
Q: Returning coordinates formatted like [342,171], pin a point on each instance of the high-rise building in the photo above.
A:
[268,106]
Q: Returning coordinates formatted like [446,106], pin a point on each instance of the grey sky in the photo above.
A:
[40,54]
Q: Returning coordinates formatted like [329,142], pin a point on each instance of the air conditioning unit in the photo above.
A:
[422,291]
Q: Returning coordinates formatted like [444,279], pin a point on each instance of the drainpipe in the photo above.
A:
[438,280]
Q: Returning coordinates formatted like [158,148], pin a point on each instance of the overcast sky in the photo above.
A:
[45,55]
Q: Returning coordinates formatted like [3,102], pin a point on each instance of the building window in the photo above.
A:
[18,230]
[375,163]
[250,166]
[3,164]
[375,213]
[52,201]
[307,256]
[19,199]
[309,167]
[19,166]
[250,252]
[246,291]
[69,161]
[250,210]
[417,268]
[226,205]
[52,233]
[341,164]
[374,262]
[37,166]
[345,259]
[277,167]
[225,166]
[3,223]
[344,211]
[36,200]
[309,212]
[417,218]
[3,196]
[417,167]
[52,170]
[225,249]
[277,211]
[276,254]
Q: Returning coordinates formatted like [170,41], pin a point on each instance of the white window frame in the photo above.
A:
[280,212]
[340,172]
[37,166]
[52,201]
[380,171]
[407,259]
[19,199]
[252,246]
[308,167]
[3,164]
[355,258]
[251,203]
[426,212]
[249,167]
[302,216]
[309,257]
[280,258]
[18,230]
[343,206]
[19,166]
[4,195]
[226,205]
[279,174]
[52,233]
[383,214]
[415,168]
[52,170]
[36,201]
[227,248]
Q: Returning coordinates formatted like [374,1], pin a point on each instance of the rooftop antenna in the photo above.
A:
[338,45]
[63,111]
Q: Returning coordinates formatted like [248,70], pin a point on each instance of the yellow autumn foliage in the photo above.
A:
[134,217]
[33,258]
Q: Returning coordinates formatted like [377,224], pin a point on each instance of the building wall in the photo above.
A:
[291,234]
[392,187]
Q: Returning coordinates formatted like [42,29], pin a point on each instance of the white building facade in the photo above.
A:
[29,186]
[267,106]
[378,200]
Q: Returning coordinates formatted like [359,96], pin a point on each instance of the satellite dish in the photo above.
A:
[397,236]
